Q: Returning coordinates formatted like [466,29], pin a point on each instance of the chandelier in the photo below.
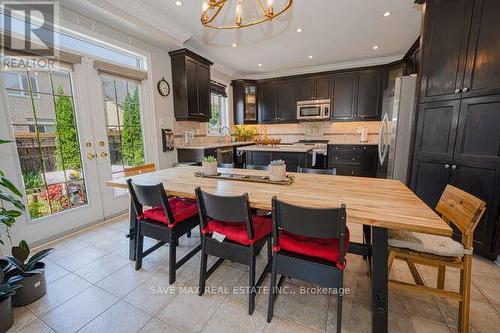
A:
[266,12]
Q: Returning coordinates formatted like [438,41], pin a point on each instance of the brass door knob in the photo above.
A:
[104,154]
[91,156]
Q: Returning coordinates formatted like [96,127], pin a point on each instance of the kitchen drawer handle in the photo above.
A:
[446,166]
[465,89]
[458,91]
[454,167]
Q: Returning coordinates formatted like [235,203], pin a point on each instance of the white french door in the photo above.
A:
[73,129]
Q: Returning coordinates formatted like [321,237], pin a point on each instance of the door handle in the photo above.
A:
[453,167]
[91,156]
[458,91]
[104,154]
[446,166]
[465,89]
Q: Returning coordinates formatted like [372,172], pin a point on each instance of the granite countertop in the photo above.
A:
[280,148]
[214,145]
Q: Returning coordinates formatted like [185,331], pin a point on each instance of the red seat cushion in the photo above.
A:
[324,248]
[237,232]
[182,209]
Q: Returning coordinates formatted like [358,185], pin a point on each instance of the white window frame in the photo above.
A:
[224,115]
[25,91]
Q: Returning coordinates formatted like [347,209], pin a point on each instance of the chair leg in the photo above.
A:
[367,240]
[188,234]
[441,277]
[272,292]
[139,246]
[172,262]
[339,302]
[203,268]
[465,286]
[251,282]
[269,249]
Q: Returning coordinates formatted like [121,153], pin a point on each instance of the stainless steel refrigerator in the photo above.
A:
[396,130]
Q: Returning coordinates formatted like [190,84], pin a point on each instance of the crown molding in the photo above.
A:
[323,68]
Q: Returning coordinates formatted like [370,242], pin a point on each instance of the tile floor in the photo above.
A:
[93,287]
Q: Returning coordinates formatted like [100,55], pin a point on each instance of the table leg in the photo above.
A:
[379,280]
[131,235]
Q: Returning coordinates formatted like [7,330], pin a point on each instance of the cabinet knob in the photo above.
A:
[454,167]
[458,91]
[446,166]
[353,158]
[465,89]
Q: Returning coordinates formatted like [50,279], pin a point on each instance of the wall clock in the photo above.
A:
[163,87]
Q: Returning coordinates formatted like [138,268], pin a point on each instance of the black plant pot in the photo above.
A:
[32,287]
[6,314]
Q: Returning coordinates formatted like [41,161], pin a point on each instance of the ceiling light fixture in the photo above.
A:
[234,45]
[260,65]
[387,14]
[299,30]
[310,57]
[210,10]
[178,3]
[375,47]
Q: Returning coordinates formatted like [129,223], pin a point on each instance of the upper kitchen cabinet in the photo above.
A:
[245,101]
[268,102]
[314,87]
[277,101]
[190,85]
[462,60]
[357,95]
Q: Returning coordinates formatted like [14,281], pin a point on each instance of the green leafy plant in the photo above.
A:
[67,146]
[277,163]
[132,146]
[20,262]
[209,159]
[33,180]
[10,197]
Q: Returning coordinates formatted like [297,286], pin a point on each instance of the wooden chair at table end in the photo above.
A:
[464,211]
[137,170]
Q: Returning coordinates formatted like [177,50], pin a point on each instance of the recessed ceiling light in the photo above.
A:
[260,65]
[178,3]
[299,30]
[375,47]
[387,14]
[310,57]
[234,45]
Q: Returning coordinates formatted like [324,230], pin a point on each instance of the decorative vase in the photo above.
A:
[277,173]
[33,287]
[209,168]
[6,314]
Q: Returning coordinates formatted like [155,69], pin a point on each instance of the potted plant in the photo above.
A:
[29,273]
[6,291]
[209,166]
[9,196]
[277,170]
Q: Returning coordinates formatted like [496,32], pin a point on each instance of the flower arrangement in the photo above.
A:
[209,165]
[277,170]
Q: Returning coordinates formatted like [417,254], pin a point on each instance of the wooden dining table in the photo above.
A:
[377,204]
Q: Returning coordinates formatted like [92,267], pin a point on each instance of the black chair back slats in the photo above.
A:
[224,208]
[149,195]
[332,172]
[256,167]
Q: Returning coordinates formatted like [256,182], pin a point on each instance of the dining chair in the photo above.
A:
[230,231]
[317,171]
[256,167]
[462,210]
[136,170]
[167,220]
[226,165]
[313,252]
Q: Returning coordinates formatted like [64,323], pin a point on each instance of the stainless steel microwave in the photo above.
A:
[313,110]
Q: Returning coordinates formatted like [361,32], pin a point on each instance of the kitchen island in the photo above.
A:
[293,155]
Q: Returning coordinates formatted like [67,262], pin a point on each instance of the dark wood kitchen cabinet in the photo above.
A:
[245,102]
[357,95]
[353,160]
[292,159]
[314,87]
[458,143]
[190,85]
[277,101]
[463,59]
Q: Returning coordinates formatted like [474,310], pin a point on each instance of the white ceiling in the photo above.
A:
[337,33]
